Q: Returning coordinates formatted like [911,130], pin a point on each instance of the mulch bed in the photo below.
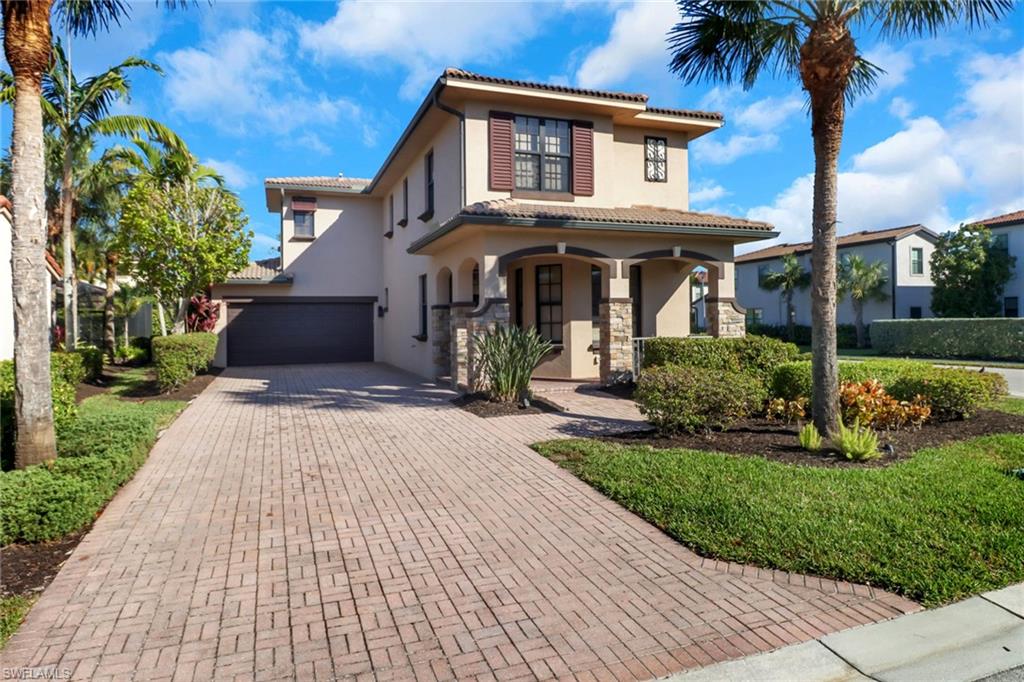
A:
[778,441]
[478,404]
[148,390]
[28,569]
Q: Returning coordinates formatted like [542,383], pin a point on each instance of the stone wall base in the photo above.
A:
[616,341]
[726,318]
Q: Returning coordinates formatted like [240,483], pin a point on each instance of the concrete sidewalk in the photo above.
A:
[981,638]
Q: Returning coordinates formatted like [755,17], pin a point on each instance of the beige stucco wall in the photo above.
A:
[618,161]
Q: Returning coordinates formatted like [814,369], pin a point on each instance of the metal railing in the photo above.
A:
[638,354]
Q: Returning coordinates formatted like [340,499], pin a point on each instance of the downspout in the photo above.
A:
[280,242]
[462,144]
[892,277]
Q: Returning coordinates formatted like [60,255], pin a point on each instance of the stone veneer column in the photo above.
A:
[459,337]
[725,317]
[441,329]
[495,312]
[616,340]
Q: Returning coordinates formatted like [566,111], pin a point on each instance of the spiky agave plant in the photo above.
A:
[508,357]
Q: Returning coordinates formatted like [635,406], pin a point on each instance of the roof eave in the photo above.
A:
[451,225]
[278,279]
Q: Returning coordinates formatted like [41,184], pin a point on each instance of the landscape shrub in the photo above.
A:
[1000,338]
[857,443]
[97,453]
[787,410]
[677,398]
[809,438]
[508,356]
[751,354]
[846,334]
[66,372]
[951,393]
[178,358]
[868,403]
[92,361]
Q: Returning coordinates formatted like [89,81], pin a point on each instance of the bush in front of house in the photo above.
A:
[846,334]
[868,403]
[751,354]
[97,453]
[951,393]
[66,372]
[679,398]
[92,361]
[508,357]
[178,358]
[999,338]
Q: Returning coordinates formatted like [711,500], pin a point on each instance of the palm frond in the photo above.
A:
[863,79]
[129,125]
[909,18]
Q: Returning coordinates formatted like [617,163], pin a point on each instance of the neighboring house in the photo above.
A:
[906,251]
[7,280]
[502,202]
[1008,230]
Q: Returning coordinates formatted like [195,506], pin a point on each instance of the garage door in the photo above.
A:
[287,333]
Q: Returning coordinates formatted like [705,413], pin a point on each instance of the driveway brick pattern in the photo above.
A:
[346,522]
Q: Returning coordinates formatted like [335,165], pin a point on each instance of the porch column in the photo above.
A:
[466,321]
[616,326]
[458,339]
[441,333]
[725,316]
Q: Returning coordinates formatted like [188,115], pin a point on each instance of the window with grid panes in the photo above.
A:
[543,154]
[549,302]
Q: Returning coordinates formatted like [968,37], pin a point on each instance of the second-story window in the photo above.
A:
[405,203]
[655,159]
[916,261]
[543,154]
[428,182]
[303,223]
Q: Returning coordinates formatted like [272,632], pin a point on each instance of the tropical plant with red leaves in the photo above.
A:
[202,314]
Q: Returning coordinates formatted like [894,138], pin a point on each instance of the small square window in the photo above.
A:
[1001,242]
[1011,306]
[655,159]
[915,312]
[754,316]
[303,223]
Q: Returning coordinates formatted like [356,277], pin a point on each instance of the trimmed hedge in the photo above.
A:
[751,354]
[997,338]
[678,398]
[846,334]
[178,358]
[951,393]
[67,370]
[98,453]
[92,361]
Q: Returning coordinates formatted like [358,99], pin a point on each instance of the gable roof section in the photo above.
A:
[318,182]
[1013,218]
[628,219]
[847,240]
[462,74]
[260,272]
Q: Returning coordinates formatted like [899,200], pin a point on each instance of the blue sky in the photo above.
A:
[295,88]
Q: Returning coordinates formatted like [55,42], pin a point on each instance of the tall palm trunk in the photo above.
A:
[109,337]
[827,58]
[27,48]
[858,321]
[68,234]
[790,322]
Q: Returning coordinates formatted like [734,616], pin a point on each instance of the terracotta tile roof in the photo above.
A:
[1000,220]
[634,97]
[862,237]
[325,181]
[54,265]
[256,271]
[5,203]
[633,215]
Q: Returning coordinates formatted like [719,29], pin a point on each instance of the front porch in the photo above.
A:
[590,297]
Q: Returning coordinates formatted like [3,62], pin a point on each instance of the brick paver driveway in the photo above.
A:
[338,521]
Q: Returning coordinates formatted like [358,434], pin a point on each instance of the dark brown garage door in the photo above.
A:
[287,333]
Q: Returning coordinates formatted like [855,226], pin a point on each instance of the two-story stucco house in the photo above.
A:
[906,252]
[503,201]
[1008,232]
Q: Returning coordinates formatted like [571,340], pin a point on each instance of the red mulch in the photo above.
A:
[778,441]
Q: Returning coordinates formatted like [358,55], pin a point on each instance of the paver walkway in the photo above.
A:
[344,521]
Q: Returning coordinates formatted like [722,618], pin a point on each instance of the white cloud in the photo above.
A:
[896,63]
[422,37]
[242,82]
[706,192]
[635,45]
[770,113]
[710,150]
[909,176]
[234,175]
[264,246]
[312,142]
[756,124]
[901,108]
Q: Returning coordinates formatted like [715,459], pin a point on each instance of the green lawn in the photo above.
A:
[12,612]
[1011,405]
[944,525]
[131,379]
[860,353]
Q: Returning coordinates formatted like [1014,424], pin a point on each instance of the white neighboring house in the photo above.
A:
[7,282]
[1008,230]
[905,251]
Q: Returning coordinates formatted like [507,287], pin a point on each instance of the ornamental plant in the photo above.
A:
[787,410]
[810,439]
[868,403]
[508,357]
[857,443]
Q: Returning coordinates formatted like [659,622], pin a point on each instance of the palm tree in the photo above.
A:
[729,40]
[27,41]
[862,281]
[127,301]
[793,276]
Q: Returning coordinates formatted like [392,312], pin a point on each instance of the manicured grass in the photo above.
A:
[943,525]
[1009,404]
[860,353]
[131,379]
[12,612]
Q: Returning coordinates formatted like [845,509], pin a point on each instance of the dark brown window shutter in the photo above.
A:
[583,158]
[501,153]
